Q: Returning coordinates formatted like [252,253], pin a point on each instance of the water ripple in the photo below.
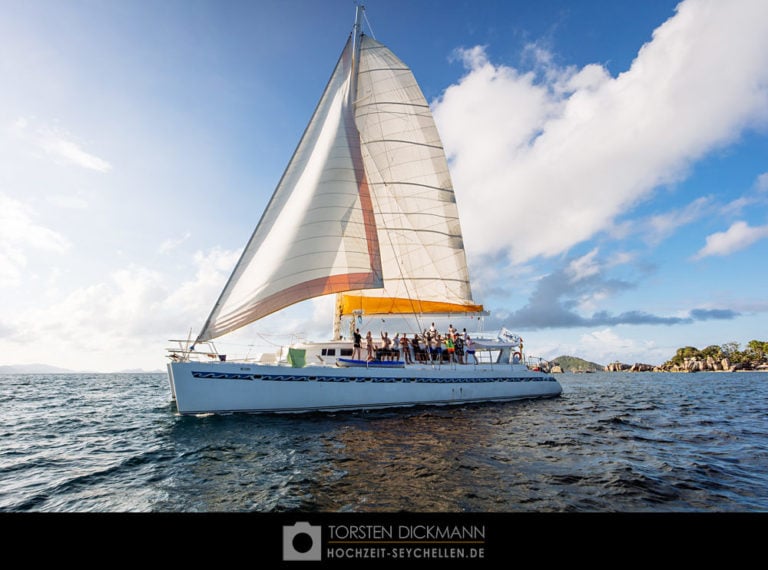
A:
[612,443]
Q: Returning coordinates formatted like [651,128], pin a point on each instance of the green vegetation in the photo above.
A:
[753,356]
[574,364]
[724,357]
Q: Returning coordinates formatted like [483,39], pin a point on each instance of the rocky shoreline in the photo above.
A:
[714,358]
[689,365]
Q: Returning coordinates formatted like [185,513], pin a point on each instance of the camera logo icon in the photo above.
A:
[302,542]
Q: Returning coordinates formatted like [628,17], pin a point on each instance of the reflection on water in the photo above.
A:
[406,461]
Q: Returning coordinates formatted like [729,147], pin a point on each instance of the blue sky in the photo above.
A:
[610,161]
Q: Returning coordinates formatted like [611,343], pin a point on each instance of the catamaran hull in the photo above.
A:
[233,387]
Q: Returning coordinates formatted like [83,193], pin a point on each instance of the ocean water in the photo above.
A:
[612,443]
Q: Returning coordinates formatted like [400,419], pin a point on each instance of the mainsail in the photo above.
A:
[419,235]
[366,205]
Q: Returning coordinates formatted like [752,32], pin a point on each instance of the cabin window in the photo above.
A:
[345,351]
[328,352]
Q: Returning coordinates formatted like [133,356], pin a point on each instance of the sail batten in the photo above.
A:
[365,207]
[361,105]
[395,141]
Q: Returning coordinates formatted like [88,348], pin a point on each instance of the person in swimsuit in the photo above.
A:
[405,349]
[357,344]
[386,344]
[469,347]
[369,345]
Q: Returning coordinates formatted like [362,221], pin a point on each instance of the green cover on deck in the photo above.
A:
[297,357]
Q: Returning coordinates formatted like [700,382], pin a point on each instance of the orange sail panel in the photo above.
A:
[388,306]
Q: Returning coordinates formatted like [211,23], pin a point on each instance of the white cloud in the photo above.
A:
[739,236]
[620,258]
[68,202]
[663,225]
[121,322]
[59,144]
[172,243]
[735,207]
[762,182]
[195,298]
[605,346]
[20,234]
[559,160]
[607,341]
[68,150]
[583,267]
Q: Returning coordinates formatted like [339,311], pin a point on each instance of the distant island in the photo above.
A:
[727,357]
[574,364]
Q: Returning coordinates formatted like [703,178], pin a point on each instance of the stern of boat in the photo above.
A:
[170,381]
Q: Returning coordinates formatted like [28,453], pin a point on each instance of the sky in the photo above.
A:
[609,158]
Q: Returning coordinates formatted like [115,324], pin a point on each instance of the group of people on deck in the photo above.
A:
[428,347]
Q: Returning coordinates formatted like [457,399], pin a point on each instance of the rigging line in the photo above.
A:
[370,29]
[398,256]
[261,336]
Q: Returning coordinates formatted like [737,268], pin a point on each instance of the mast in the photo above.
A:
[337,316]
[357,32]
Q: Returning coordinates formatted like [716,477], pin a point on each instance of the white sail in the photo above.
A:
[317,234]
[366,203]
[420,239]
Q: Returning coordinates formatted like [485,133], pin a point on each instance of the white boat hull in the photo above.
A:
[226,387]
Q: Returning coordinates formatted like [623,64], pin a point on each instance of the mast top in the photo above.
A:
[357,33]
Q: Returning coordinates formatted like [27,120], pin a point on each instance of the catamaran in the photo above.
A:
[365,211]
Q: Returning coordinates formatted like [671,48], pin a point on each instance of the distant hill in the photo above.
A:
[574,364]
